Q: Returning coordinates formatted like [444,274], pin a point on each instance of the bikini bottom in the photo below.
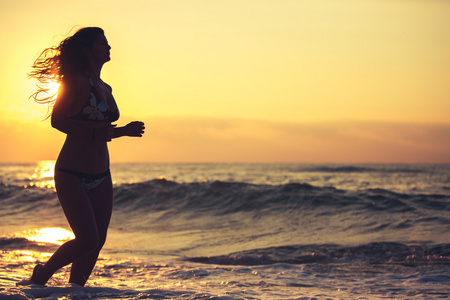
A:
[89,181]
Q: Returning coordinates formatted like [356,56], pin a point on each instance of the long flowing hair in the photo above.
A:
[61,63]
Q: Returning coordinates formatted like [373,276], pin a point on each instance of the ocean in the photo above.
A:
[241,231]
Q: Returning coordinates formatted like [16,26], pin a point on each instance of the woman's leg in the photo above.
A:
[81,216]
[102,203]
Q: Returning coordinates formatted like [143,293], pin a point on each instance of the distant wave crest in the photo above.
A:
[362,169]
[220,197]
[375,253]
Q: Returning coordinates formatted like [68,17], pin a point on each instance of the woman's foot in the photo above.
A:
[34,277]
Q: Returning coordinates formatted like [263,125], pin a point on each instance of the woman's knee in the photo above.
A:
[101,242]
[88,243]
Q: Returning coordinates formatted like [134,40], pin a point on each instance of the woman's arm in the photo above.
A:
[71,99]
[92,131]
[135,128]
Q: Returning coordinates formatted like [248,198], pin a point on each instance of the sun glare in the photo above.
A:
[52,88]
[51,235]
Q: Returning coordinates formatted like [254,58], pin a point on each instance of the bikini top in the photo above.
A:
[95,109]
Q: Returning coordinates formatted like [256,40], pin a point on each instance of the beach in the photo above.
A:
[241,231]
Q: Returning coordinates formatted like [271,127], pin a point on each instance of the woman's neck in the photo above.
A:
[94,70]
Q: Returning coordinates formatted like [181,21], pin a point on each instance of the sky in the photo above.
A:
[324,81]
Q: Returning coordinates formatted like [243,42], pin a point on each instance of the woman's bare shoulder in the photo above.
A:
[73,93]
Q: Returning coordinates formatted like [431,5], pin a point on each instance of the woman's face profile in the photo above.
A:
[100,49]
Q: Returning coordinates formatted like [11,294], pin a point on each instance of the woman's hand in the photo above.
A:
[135,128]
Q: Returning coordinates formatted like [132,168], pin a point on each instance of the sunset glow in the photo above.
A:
[52,235]
[257,80]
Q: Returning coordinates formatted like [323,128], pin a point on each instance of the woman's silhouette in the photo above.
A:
[84,110]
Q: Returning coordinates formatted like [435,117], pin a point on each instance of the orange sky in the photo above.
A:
[248,80]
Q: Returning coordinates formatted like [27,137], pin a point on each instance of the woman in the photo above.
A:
[84,110]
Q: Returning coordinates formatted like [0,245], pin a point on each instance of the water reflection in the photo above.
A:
[43,174]
[18,264]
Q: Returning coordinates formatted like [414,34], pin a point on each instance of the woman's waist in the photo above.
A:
[87,166]
[85,146]
[84,157]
